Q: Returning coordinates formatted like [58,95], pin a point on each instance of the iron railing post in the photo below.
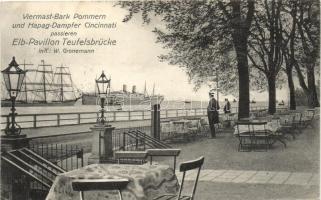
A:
[34,121]
[124,141]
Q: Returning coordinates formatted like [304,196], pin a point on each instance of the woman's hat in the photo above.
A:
[211,92]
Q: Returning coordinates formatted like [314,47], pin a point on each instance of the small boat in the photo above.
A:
[281,103]
[253,101]
[187,102]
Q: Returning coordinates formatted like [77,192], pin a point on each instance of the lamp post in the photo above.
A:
[103,86]
[13,78]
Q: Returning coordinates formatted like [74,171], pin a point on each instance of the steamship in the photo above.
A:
[124,97]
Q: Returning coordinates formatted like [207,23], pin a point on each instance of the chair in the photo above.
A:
[278,135]
[167,130]
[297,116]
[134,157]
[184,167]
[205,127]
[131,157]
[286,122]
[163,152]
[244,135]
[83,185]
[193,128]
[307,118]
[260,135]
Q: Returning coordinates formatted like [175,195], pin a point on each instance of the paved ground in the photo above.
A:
[255,177]
[279,173]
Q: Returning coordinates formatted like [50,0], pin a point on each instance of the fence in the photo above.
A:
[66,156]
[77,118]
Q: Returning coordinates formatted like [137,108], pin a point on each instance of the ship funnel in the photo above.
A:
[134,89]
[124,88]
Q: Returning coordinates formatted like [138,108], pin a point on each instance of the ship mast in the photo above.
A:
[60,73]
[44,72]
[25,81]
[145,89]
[153,89]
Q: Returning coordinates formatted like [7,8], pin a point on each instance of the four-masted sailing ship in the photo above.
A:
[44,87]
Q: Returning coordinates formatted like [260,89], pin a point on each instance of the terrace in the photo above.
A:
[280,172]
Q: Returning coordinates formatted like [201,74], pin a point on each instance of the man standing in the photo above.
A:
[227,107]
[212,113]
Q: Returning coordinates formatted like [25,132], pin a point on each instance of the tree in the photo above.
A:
[309,33]
[197,32]
[289,44]
[265,45]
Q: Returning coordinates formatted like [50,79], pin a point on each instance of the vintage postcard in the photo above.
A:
[193,100]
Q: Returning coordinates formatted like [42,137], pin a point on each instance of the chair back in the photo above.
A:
[163,152]
[190,165]
[203,122]
[308,114]
[82,185]
[131,156]
[259,128]
[243,127]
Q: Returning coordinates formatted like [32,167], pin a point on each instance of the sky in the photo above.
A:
[132,61]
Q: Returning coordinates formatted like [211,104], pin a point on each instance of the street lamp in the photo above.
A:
[13,78]
[103,86]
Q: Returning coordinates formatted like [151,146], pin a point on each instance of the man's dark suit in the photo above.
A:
[212,114]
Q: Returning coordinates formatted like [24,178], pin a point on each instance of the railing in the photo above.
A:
[68,157]
[77,118]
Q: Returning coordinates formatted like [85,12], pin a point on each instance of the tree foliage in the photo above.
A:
[200,36]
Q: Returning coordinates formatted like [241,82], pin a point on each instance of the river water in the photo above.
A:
[78,107]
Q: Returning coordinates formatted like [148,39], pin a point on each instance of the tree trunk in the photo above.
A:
[272,95]
[243,72]
[241,27]
[291,89]
[312,91]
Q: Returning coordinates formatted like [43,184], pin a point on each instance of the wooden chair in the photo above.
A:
[140,157]
[163,152]
[83,185]
[184,167]
[131,157]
